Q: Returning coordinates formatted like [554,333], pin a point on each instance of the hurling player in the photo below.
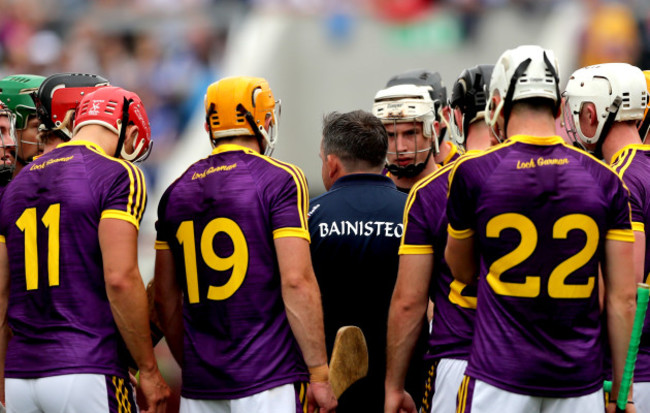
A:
[70,287]
[234,285]
[533,218]
[424,274]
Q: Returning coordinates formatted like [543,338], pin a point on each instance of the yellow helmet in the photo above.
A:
[242,106]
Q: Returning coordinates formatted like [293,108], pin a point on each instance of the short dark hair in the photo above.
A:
[358,138]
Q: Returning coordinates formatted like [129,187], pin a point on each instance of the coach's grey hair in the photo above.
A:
[358,138]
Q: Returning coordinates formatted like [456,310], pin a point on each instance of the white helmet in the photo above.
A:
[617,90]
[406,103]
[524,72]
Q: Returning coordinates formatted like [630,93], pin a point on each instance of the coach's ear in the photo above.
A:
[334,166]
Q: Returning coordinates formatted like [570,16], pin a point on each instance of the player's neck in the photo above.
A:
[620,135]
[445,148]
[99,135]
[245,141]
[533,125]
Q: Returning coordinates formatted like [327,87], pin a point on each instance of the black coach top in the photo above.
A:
[355,233]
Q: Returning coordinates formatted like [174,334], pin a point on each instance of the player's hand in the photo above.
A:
[320,397]
[399,402]
[629,408]
[154,391]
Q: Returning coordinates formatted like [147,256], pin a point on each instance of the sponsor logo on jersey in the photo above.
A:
[51,161]
[212,169]
[534,163]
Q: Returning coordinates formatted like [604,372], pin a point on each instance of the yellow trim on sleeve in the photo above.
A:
[460,234]
[626,235]
[415,250]
[117,214]
[161,245]
[638,226]
[291,232]
[2,239]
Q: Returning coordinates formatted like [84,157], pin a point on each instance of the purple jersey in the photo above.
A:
[540,212]
[632,163]
[220,219]
[58,309]
[426,233]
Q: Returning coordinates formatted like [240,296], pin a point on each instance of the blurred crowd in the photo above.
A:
[168,51]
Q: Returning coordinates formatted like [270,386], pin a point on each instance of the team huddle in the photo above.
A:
[503,228]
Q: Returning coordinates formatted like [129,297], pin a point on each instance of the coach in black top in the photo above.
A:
[355,234]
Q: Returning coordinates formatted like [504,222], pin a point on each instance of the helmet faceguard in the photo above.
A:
[618,92]
[243,106]
[16,92]
[644,125]
[115,109]
[407,103]
[7,145]
[469,95]
[522,73]
[58,98]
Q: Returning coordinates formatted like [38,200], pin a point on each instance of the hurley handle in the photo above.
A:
[643,292]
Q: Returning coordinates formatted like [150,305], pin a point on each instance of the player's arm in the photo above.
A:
[407,308]
[620,297]
[168,299]
[128,301]
[461,258]
[639,256]
[5,333]
[304,309]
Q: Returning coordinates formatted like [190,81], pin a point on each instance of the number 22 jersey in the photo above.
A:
[540,212]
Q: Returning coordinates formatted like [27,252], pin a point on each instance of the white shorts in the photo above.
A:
[70,393]
[485,398]
[280,399]
[449,374]
[641,396]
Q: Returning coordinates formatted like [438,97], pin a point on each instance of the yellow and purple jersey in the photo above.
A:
[220,219]
[425,232]
[632,163]
[540,212]
[58,309]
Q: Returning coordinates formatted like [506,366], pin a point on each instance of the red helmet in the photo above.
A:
[60,94]
[113,107]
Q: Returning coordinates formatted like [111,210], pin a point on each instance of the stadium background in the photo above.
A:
[318,56]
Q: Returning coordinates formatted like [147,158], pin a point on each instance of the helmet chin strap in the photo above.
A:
[413,169]
[125,121]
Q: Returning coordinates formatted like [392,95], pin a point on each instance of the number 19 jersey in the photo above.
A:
[219,220]
[540,212]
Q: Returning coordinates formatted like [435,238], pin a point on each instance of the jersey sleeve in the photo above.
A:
[288,207]
[127,196]
[416,239]
[620,215]
[162,229]
[637,195]
[460,205]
